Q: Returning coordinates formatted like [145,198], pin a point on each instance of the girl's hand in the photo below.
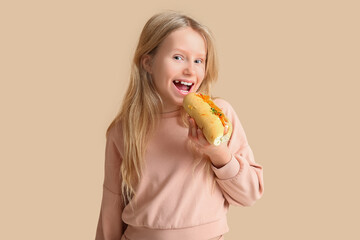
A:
[219,155]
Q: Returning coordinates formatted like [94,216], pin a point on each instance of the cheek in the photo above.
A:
[166,70]
[159,72]
[173,69]
[201,73]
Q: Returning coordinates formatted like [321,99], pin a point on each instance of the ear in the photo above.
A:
[146,61]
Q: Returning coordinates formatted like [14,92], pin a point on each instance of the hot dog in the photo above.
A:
[210,118]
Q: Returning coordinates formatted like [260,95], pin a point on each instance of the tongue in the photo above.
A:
[181,86]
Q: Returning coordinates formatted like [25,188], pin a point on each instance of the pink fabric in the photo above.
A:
[173,201]
[216,238]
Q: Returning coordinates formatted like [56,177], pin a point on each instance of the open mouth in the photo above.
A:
[182,86]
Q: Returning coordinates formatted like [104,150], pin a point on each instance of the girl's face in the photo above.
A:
[178,66]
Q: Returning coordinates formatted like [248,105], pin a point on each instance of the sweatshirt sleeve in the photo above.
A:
[241,179]
[110,225]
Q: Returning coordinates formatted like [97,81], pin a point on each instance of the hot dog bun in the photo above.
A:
[210,118]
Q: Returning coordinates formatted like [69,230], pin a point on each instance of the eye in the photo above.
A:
[198,61]
[177,57]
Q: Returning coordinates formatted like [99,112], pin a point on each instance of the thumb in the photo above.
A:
[226,129]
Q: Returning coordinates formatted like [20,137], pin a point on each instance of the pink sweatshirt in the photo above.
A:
[172,203]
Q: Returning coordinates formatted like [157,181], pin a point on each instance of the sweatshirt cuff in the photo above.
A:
[227,171]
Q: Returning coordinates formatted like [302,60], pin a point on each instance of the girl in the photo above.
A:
[157,161]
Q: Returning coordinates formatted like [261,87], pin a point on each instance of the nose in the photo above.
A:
[189,69]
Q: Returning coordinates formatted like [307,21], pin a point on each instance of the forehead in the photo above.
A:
[185,39]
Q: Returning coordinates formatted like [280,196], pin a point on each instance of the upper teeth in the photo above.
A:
[184,83]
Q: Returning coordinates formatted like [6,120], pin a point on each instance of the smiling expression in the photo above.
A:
[178,66]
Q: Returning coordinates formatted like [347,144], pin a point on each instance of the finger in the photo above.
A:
[196,128]
[202,138]
[193,128]
[226,129]
[189,132]
[195,124]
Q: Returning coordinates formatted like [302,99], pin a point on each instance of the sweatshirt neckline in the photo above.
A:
[170,114]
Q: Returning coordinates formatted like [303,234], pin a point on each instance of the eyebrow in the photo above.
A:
[182,50]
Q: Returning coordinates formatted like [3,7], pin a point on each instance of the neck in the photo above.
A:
[171,111]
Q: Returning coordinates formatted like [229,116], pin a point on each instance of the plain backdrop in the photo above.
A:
[290,69]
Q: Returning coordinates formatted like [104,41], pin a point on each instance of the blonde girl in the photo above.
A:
[157,161]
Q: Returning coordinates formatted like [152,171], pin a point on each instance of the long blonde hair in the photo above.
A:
[141,103]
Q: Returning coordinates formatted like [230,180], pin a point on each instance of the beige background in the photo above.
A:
[289,68]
